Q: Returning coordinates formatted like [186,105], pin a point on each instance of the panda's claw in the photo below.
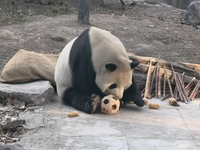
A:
[95,102]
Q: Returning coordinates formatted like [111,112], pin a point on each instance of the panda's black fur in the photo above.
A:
[83,76]
[81,94]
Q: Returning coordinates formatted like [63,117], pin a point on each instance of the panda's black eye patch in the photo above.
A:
[112,86]
[106,101]
[111,67]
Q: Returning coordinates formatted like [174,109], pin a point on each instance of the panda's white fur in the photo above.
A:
[90,64]
[112,52]
[63,76]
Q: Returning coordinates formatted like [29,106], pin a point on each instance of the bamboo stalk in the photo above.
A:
[152,81]
[180,87]
[192,70]
[164,84]
[159,81]
[170,87]
[175,93]
[147,86]
[182,90]
[195,91]
[188,87]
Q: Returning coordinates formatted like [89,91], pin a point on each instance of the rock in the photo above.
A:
[112,3]
[192,15]
[46,2]
[38,92]
[12,147]
[33,1]
[32,119]
[175,3]
[128,2]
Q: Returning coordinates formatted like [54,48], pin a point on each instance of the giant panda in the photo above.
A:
[93,65]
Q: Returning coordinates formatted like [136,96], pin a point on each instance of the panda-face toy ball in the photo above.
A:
[110,104]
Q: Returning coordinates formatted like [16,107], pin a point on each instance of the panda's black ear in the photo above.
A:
[111,67]
[134,64]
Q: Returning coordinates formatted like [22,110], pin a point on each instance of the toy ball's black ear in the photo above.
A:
[134,64]
[111,67]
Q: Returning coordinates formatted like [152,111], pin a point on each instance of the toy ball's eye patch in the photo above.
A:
[106,101]
[112,86]
[115,98]
[114,107]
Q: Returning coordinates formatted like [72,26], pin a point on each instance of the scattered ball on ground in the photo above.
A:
[110,104]
[73,114]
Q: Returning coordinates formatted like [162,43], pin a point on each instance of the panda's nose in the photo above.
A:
[120,93]
[120,97]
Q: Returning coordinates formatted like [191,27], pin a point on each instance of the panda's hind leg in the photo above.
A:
[88,104]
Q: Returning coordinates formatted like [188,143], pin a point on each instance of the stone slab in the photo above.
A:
[132,128]
[32,120]
[38,92]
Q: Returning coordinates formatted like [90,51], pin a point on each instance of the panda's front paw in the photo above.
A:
[124,103]
[95,102]
[135,99]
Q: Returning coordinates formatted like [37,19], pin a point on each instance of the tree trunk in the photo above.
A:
[83,11]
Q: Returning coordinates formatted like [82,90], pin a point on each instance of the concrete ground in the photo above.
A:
[132,128]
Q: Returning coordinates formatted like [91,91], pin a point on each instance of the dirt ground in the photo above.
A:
[146,30]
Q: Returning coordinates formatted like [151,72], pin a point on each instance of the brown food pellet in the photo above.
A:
[153,106]
[73,114]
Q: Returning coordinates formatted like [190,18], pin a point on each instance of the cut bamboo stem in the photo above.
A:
[191,70]
[147,86]
[164,84]
[180,87]
[189,86]
[195,91]
[152,81]
[156,82]
[159,81]
[170,87]
[182,90]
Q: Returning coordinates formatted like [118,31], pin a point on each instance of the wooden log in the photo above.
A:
[191,70]
[142,69]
